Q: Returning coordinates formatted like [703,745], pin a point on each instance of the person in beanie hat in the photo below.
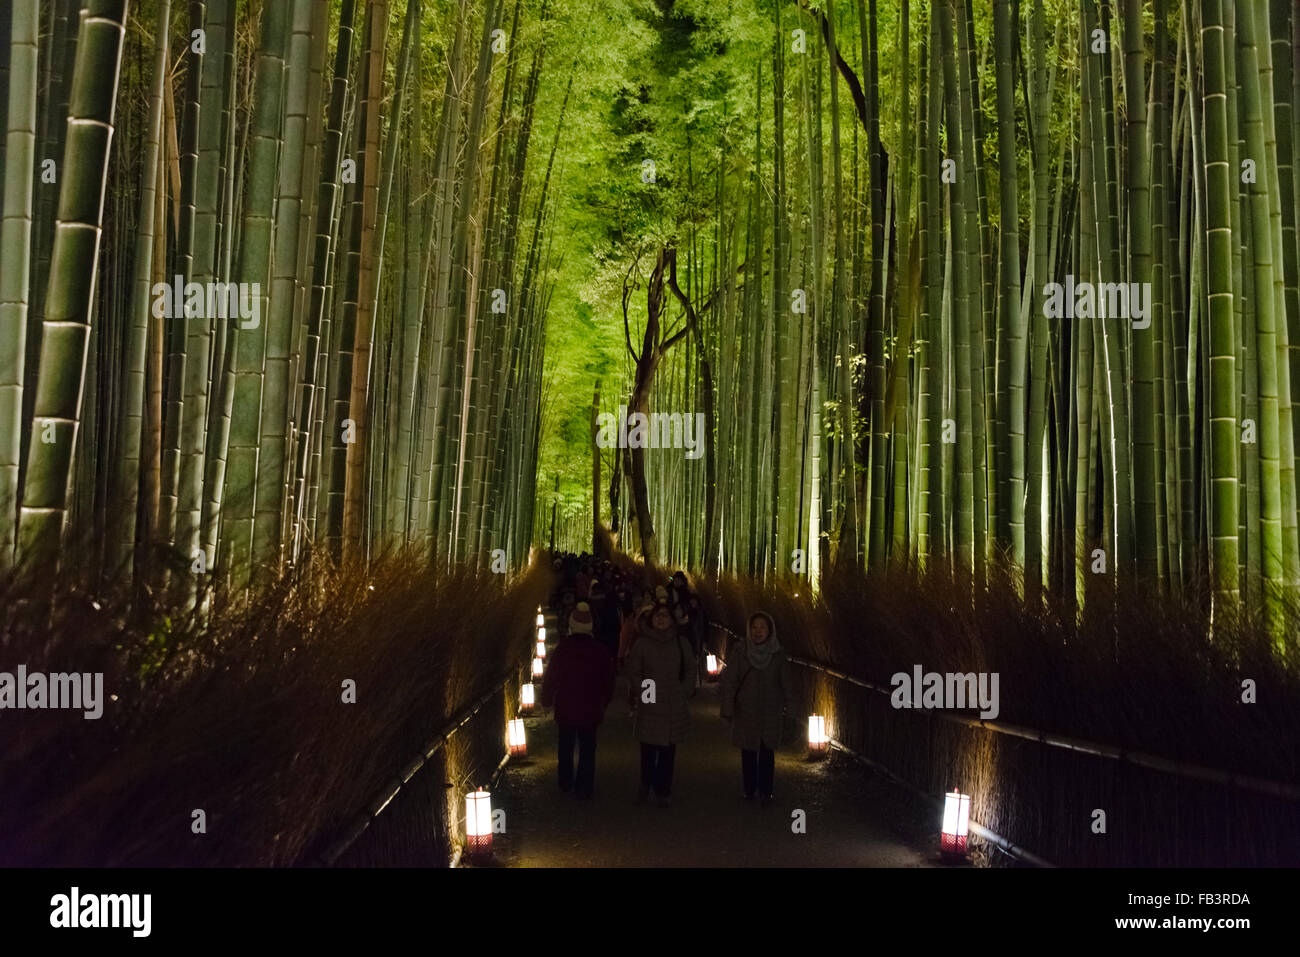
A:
[581,621]
[605,618]
[754,695]
[578,685]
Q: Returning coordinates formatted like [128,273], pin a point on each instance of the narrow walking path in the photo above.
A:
[852,819]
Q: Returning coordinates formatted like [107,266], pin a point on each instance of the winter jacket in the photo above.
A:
[755,699]
[580,682]
[667,659]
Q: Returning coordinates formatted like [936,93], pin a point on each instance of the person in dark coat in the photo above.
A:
[754,696]
[679,590]
[606,619]
[661,678]
[568,600]
[579,685]
[699,624]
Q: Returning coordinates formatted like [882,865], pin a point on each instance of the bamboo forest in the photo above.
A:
[350,347]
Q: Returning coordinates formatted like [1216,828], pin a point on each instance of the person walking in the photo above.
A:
[697,634]
[579,684]
[660,673]
[605,615]
[679,590]
[628,630]
[568,601]
[685,622]
[754,696]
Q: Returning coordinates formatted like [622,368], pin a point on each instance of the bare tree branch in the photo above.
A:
[627,296]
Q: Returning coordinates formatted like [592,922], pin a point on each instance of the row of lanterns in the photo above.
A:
[527,692]
[478,803]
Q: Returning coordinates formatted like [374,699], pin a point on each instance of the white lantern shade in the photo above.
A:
[515,739]
[541,619]
[541,632]
[526,698]
[537,667]
[541,649]
[818,740]
[711,664]
[956,822]
[478,821]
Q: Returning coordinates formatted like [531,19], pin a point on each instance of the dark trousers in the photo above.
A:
[585,780]
[657,768]
[757,768]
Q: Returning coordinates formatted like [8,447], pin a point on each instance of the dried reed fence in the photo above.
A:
[1189,775]
[241,715]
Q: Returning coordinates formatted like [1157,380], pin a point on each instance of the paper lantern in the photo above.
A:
[537,667]
[541,633]
[818,740]
[478,822]
[541,649]
[526,698]
[711,665]
[541,619]
[956,822]
[515,738]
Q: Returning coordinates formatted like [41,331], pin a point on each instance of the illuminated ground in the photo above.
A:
[853,819]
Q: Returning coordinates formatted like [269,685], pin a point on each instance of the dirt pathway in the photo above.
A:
[852,818]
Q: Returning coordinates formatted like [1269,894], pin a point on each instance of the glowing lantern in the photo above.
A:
[956,821]
[541,649]
[541,633]
[526,699]
[478,822]
[515,737]
[541,619]
[537,667]
[818,741]
[711,664]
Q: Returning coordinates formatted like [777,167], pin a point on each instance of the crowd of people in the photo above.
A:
[614,626]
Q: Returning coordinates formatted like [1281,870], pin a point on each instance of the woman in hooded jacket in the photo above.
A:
[754,696]
[661,678]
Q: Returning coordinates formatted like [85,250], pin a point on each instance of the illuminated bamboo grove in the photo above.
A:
[269,272]
[880,200]
[977,284]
